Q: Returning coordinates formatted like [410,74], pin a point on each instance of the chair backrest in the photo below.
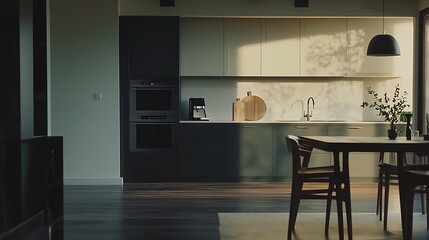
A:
[300,151]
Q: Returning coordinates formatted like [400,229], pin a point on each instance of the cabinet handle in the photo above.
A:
[301,127]
[354,127]
[248,126]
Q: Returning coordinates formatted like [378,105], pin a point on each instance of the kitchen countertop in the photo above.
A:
[290,122]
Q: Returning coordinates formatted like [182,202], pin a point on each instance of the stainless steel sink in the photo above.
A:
[289,120]
[324,120]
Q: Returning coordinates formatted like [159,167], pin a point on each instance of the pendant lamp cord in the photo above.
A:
[384,32]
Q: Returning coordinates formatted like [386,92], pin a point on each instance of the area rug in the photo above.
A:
[273,226]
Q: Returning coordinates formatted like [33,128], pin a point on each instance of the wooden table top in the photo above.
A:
[366,144]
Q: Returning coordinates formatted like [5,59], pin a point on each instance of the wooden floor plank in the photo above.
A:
[184,210]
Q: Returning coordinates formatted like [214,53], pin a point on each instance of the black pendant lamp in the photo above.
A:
[383,45]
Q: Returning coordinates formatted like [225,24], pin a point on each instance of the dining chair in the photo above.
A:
[409,179]
[388,175]
[301,174]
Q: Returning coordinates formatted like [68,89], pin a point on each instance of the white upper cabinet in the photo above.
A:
[202,47]
[359,34]
[243,47]
[292,47]
[280,47]
[323,47]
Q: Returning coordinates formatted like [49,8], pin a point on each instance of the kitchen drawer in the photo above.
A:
[358,130]
[361,165]
[298,130]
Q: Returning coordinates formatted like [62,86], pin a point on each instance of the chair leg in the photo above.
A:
[379,193]
[427,207]
[386,199]
[348,203]
[328,207]
[339,196]
[422,198]
[406,194]
[294,206]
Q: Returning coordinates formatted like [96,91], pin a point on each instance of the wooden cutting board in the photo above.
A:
[238,110]
[254,107]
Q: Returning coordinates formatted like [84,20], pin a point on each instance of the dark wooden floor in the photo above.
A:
[182,210]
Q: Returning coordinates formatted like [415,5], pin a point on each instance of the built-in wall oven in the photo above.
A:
[153,101]
[152,136]
[153,115]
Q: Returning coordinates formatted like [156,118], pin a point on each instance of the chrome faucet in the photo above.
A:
[308,114]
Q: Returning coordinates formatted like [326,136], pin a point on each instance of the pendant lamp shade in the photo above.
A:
[383,45]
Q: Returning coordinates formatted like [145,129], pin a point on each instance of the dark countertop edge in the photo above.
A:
[286,122]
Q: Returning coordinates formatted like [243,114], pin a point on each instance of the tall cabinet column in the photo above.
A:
[149,82]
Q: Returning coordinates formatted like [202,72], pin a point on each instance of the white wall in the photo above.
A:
[85,60]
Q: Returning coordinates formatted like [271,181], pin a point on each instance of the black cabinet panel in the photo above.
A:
[156,166]
[149,50]
[153,47]
[204,151]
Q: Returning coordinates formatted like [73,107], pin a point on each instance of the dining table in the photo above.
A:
[343,145]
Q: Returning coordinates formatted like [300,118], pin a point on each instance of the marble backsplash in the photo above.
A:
[286,99]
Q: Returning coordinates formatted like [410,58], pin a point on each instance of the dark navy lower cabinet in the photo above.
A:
[204,151]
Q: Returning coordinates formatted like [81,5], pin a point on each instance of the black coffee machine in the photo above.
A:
[197,109]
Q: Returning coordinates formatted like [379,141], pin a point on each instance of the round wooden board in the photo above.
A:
[254,107]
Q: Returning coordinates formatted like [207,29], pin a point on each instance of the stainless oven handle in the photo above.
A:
[149,88]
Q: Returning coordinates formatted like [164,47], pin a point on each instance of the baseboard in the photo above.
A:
[93,181]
